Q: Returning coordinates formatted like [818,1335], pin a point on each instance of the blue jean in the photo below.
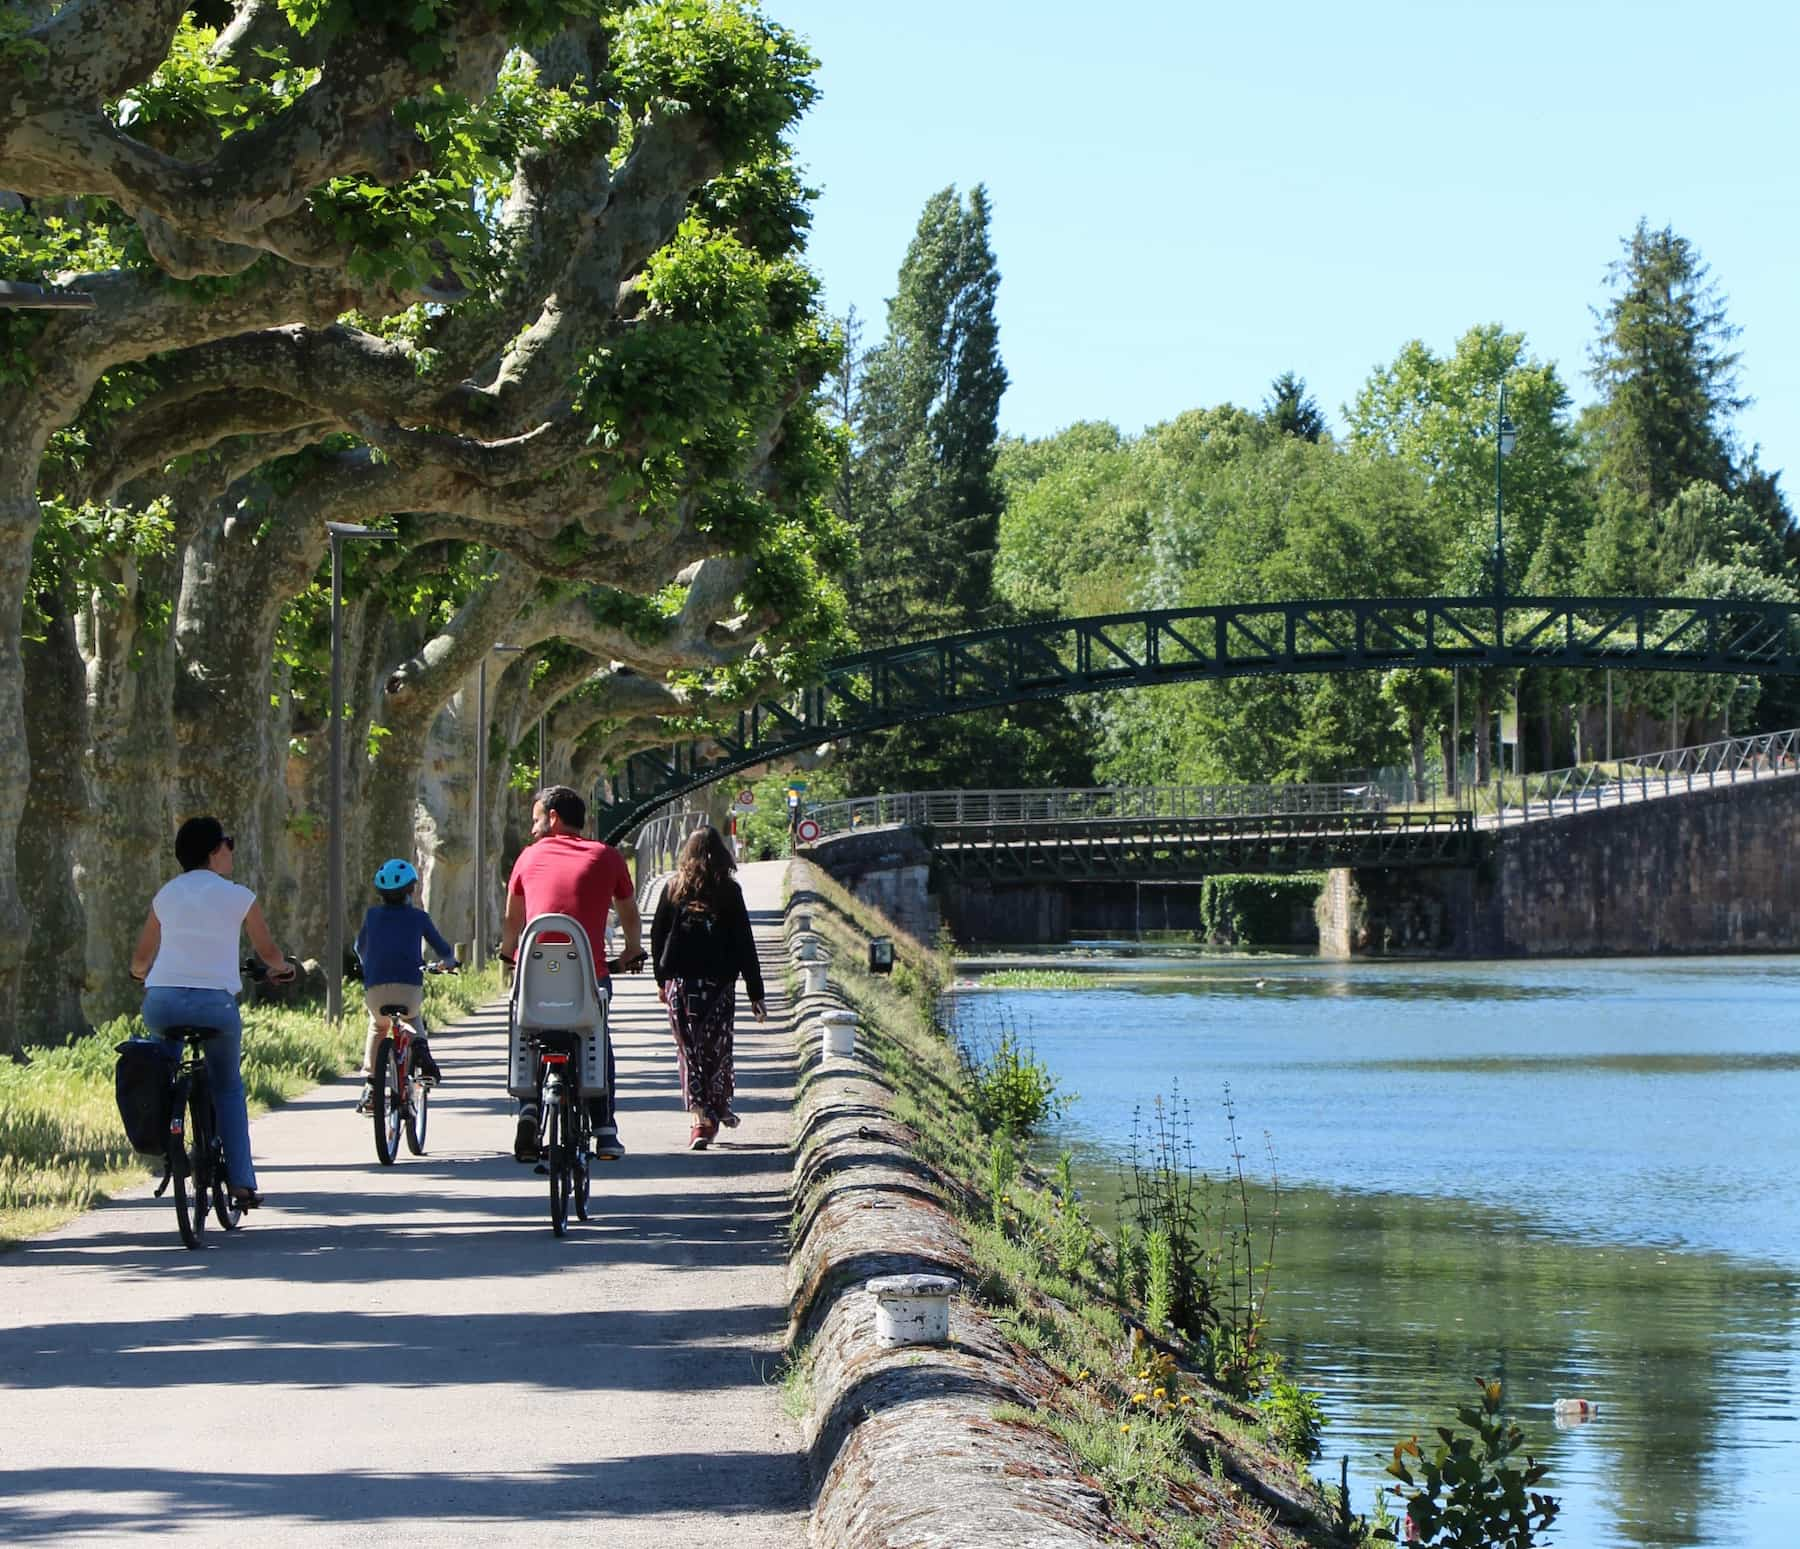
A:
[167,1007]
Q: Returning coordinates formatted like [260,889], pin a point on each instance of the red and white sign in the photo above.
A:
[746,799]
[807,831]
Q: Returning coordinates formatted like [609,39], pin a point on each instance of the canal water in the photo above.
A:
[1581,1177]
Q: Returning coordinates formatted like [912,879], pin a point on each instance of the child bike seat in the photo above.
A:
[554,983]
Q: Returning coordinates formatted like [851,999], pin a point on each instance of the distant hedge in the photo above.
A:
[1253,911]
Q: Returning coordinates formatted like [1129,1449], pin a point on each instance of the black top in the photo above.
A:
[699,940]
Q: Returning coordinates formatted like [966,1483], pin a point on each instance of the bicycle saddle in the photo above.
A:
[397,1011]
[192,1034]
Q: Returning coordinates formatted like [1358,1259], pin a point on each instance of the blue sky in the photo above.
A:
[1190,198]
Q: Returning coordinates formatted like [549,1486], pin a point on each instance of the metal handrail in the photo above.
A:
[1506,798]
[1554,793]
[1092,804]
[657,845]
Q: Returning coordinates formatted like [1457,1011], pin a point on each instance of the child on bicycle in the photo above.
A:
[390,946]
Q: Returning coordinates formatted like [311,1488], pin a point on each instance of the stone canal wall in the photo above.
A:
[1713,871]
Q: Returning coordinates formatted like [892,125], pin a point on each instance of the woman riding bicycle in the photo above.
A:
[187,957]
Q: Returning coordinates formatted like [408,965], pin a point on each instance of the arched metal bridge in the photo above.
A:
[986,669]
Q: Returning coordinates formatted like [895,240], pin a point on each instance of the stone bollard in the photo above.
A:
[808,949]
[912,1309]
[837,1034]
[812,979]
[800,924]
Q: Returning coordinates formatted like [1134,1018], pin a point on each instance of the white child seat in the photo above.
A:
[555,989]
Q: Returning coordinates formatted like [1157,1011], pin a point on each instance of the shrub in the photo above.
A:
[1293,1417]
[1012,1090]
[1256,910]
[1466,1495]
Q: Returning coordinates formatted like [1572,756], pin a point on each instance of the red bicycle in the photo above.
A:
[400,1095]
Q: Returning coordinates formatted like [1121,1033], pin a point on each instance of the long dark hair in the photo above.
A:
[704,869]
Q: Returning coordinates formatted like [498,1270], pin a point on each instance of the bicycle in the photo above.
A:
[565,1127]
[399,1095]
[194,1162]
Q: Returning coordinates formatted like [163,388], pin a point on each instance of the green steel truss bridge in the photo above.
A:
[872,690]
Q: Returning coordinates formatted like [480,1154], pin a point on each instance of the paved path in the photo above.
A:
[407,1353]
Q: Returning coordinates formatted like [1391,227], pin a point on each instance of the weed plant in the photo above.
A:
[63,1147]
[1013,1091]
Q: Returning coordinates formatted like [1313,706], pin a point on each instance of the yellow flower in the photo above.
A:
[1187,1398]
[1082,1375]
[1162,1392]
[1124,1427]
[1138,1398]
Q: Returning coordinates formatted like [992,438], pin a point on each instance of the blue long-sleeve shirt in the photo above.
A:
[390,944]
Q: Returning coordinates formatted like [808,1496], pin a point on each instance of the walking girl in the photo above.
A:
[700,942]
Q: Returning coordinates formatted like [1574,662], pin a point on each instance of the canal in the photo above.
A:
[1582,1177]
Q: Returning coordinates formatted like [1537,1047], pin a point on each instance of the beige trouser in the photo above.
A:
[375,996]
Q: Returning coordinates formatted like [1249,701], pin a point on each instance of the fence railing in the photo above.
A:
[1505,798]
[656,847]
[1093,803]
[1586,787]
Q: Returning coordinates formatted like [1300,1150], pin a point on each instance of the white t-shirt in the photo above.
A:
[201,915]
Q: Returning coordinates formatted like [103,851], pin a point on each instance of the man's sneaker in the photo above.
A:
[365,1104]
[422,1061]
[607,1145]
[525,1138]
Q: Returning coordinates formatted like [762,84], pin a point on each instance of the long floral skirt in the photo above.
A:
[701,1016]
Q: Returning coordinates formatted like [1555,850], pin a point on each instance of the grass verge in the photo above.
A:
[62,1147]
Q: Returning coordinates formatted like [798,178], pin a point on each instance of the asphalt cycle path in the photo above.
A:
[408,1352]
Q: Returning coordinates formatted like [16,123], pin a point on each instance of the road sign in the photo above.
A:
[796,786]
[807,831]
[746,799]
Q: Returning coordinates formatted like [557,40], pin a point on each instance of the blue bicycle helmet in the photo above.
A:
[395,875]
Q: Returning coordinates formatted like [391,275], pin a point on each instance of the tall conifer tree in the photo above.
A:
[928,502]
[1667,375]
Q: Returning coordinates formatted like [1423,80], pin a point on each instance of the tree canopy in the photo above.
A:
[520,281]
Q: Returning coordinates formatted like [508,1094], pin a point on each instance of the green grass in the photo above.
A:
[62,1146]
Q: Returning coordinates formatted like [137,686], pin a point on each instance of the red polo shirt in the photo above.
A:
[560,874]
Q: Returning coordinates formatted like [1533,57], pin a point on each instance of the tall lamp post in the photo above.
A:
[340,533]
[1506,437]
[481,721]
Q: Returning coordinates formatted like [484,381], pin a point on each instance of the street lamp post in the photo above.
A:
[1506,437]
[481,721]
[339,534]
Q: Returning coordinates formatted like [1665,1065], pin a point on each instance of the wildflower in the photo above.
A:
[1138,1398]
[1162,1392]
[1124,1428]
[1083,1375]
[1187,1398]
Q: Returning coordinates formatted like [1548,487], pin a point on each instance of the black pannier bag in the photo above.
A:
[141,1083]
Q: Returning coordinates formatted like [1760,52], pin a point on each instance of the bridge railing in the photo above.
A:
[1106,803]
[1586,787]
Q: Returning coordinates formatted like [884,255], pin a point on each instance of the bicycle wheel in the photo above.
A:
[387,1104]
[578,1162]
[417,1113]
[190,1169]
[226,1209]
[556,1156]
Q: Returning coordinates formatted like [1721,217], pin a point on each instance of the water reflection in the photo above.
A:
[1594,1198]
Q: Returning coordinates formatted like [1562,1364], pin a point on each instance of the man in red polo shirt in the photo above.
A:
[559,872]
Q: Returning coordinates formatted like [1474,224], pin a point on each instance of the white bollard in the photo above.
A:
[800,923]
[812,979]
[808,949]
[912,1309]
[837,1033]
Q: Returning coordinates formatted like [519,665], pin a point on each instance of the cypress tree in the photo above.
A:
[928,501]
